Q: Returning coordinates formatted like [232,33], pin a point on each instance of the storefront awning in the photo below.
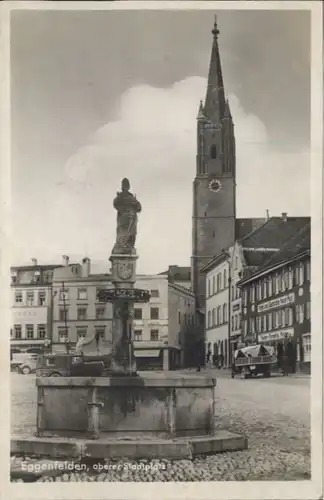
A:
[149,353]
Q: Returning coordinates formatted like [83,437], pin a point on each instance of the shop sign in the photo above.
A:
[276,335]
[236,307]
[285,300]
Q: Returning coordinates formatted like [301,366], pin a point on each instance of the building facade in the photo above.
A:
[217,326]
[276,302]
[214,186]
[159,326]
[225,272]
[31,288]
[162,325]
[77,312]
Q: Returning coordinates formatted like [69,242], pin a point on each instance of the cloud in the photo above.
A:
[153,143]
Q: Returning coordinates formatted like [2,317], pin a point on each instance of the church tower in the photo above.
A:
[213,222]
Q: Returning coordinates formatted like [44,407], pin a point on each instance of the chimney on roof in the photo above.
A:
[268,214]
[284,216]
[34,261]
[86,266]
[65,260]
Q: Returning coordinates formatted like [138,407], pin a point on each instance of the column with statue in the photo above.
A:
[123,276]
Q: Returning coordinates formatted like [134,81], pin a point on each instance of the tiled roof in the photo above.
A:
[264,243]
[243,227]
[297,244]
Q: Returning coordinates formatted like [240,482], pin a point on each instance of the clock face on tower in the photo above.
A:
[214,185]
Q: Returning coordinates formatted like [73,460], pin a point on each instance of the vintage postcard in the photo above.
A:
[161,218]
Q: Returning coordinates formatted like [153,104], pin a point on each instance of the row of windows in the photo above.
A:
[138,335]
[217,283]
[34,277]
[277,319]
[31,332]
[82,294]
[32,298]
[277,283]
[63,333]
[187,319]
[236,322]
[154,313]
[217,316]
[82,313]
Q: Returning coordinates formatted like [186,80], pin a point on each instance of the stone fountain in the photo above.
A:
[125,413]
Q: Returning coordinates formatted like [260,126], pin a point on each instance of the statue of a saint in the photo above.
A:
[127,207]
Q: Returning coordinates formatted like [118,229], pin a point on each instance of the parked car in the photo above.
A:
[71,365]
[24,363]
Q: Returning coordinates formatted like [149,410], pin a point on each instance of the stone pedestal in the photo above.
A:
[123,276]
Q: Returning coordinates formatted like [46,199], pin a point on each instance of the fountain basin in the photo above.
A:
[152,405]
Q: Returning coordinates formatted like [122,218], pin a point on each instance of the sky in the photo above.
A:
[98,96]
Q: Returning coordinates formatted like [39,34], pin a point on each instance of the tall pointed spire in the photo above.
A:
[215,97]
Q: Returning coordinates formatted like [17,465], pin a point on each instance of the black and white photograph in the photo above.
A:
[164,301]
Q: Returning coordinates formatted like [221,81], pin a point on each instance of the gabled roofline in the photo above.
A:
[218,259]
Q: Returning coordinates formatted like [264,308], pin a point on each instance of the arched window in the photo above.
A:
[213,151]
[209,320]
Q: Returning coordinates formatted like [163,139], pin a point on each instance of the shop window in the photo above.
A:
[307,347]
[63,335]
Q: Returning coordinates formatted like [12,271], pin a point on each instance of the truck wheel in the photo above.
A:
[55,374]
[244,373]
[25,370]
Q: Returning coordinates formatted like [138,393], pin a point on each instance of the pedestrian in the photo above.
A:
[208,356]
[221,360]
[215,359]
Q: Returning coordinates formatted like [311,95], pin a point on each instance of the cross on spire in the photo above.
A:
[215,31]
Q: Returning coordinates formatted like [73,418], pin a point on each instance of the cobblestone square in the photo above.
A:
[273,413]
